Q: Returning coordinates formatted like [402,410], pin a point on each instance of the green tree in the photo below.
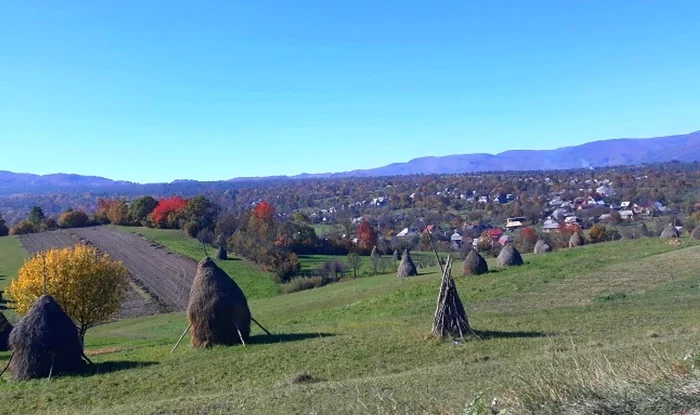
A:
[201,211]
[36,215]
[141,207]
[3,227]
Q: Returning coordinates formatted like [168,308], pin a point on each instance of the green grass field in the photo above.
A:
[623,311]
[12,256]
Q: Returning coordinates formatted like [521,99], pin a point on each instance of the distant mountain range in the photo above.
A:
[605,153]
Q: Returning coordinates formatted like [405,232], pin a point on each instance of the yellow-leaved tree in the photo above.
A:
[88,285]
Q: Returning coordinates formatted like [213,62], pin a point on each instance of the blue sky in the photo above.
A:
[156,91]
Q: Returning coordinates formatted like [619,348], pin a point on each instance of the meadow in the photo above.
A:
[608,325]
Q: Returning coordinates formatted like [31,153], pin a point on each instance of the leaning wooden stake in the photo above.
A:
[8,363]
[259,325]
[240,336]
[180,339]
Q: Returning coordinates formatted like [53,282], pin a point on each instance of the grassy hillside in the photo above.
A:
[255,282]
[558,329]
[12,256]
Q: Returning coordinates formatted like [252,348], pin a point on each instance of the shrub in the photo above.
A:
[303,283]
[598,233]
[287,268]
[73,219]
[191,229]
[23,228]
[333,269]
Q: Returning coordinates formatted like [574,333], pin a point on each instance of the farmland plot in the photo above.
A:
[160,279]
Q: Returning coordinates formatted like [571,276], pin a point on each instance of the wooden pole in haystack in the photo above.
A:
[450,315]
[432,245]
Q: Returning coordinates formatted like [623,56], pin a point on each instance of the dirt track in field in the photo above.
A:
[161,279]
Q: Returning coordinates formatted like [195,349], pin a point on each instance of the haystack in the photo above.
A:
[221,253]
[670,232]
[375,253]
[509,257]
[475,264]
[407,268]
[542,247]
[5,329]
[44,342]
[397,255]
[695,235]
[576,240]
[218,310]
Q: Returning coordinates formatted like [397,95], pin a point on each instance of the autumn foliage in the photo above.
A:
[166,214]
[366,235]
[89,286]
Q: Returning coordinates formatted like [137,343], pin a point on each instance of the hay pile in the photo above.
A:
[5,329]
[670,232]
[510,257]
[407,268]
[221,253]
[695,235]
[475,264]
[45,341]
[218,309]
[576,240]
[542,247]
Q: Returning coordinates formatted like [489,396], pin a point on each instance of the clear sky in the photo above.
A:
[155,91]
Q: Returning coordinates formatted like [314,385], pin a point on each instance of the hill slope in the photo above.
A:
[365,347]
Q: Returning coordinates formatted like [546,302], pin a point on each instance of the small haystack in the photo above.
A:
[450,315]
[542,247]
[397,255]
[45,342]
[695,235]
[407,268]
[5,329]
[576,240]
[375,253]
[670,232]
[510,257]
[475,264]
[218,310]
[221,253]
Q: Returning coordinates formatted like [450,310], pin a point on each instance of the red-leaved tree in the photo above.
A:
[168,211]
[366,235]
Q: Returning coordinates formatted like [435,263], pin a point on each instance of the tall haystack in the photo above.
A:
[375,253]
[670,232]
[221,253]
[450,315]
[576,240]
[407,268]
[542,247]
[509,257]
[5,329]
[475,264]
[45,341]
[218,310]
[695,235]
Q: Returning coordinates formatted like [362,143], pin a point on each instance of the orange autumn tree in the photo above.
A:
[89,286]
[366,235]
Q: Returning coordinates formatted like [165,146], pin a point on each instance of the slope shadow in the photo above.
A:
[493,334]
[102,368]
[283,338]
